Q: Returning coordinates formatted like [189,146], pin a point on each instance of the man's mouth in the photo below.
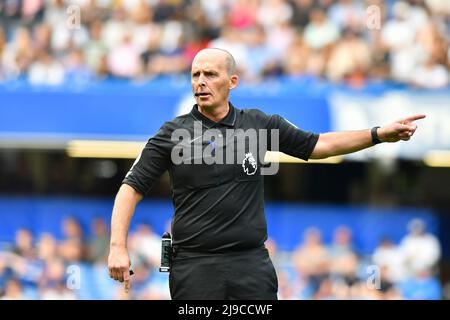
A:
[201,94]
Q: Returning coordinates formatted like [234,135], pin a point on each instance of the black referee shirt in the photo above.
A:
[218,207]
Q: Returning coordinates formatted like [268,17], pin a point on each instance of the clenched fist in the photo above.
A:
[119,265]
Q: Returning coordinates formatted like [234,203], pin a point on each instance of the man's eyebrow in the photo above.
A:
[205,71]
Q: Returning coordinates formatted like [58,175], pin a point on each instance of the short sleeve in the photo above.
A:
[292,140]
[151,163]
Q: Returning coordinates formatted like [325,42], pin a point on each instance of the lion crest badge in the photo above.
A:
[249,164]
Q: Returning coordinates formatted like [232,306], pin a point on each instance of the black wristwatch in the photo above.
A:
[375,138]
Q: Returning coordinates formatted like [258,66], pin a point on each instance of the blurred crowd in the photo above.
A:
[49,42]
[74,267]
[317,271]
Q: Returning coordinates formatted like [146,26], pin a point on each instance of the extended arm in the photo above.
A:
[338,143]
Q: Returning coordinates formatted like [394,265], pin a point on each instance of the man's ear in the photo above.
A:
[234,80]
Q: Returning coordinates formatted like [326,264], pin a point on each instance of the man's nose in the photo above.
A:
[201,80]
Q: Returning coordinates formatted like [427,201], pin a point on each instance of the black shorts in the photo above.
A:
[243,275]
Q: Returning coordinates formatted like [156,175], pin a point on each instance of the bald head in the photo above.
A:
[220,55]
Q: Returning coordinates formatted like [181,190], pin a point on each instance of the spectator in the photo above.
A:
[242,14]
[18,54]
[132,6]
[13,291]
[76,69]
[95,48]
[320,32]
[438,6]
[311,261]
[24,244]
[165,10]
[213,11]
[350,56]
[46,247]
[301,12]
[326,290]
[343,260]
[103,72]
[230,39]
[46,71]
[93,10]
[272,13]
[42,36]
[5,273]
[399,37]
[123,60]
[261,59]
[433,43]
[325,5]
[64,37]
[430,75]
[52,285]
[24,263]
[72,248]
[295,62]
[98,244]
[151,53]
[280,37]
[10,13]
[143,26]
[2,52]
[146,245]
[421,250]
[114,29]
[171,36]
[388,288]
[387,256]
[55,13]
[342,242]
[348,14]
[167,64]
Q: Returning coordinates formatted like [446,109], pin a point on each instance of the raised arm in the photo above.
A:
[338,143]
[119,261]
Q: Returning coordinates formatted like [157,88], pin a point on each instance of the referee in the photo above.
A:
[219,226]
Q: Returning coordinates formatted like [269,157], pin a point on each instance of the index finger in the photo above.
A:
[415,117]
[126,278]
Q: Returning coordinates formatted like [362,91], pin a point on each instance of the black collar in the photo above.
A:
[229,119]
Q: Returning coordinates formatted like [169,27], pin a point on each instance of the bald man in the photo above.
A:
[219,226]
